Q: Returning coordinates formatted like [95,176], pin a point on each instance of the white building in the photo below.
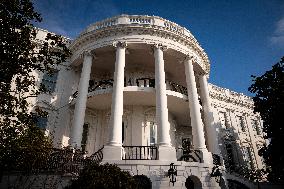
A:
[136,86]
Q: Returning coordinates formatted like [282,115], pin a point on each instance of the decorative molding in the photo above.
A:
[225,95]
[87,53]
[160,46]
[142,26]
[120,44]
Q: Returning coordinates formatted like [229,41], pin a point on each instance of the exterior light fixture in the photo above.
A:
[216,173]
[172,173]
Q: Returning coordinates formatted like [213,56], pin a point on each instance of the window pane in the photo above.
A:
[41,122]
[153,133]
[241,123]
[49,81]
[223,119]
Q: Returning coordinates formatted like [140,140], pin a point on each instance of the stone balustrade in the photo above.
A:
[140,82]
[151,21]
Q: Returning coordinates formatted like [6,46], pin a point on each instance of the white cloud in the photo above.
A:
[278,35]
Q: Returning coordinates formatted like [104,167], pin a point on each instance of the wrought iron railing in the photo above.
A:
[97,157]
[140,153]
[191,156]
[176,87]
[140,82]
[98,85]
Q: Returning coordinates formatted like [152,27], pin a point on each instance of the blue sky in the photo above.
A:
[241,37]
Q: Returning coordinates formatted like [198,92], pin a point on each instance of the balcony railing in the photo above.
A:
[140,153]
[97,157]
[176,87]
[140,82]
[102,84]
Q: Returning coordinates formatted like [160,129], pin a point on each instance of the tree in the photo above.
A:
[269,102]
[21,54]
[106,176]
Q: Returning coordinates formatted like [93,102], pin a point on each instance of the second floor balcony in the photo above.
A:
[97,85]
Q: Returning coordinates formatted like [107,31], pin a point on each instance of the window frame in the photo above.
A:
[49,81]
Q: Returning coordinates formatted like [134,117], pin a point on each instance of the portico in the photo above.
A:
[113,148]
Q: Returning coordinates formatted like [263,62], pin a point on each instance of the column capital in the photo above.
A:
[119,44]
[160,46]
[190,57]
[87,53]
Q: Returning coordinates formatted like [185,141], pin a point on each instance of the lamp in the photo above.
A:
[216,173]
[172,173]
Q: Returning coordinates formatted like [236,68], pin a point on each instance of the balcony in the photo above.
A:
[140,82]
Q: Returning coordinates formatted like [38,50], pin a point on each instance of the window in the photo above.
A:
[241,123]
[153,133]
[255,127]
[122,133]
[41,122]
[248,157]
[49,81]
[230,162]
[223,120]
[85,136]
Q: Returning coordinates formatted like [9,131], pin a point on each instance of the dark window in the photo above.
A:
[49,81]
[123,129]
[41,122]
[230,160]
[241,123]
[248,157]
[256,127]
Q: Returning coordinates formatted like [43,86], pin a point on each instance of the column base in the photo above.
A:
[112,153]
[167,153]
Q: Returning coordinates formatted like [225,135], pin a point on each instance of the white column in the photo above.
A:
[161,98]
[195,115]
[166,151]
[80,107]
[115,137]
[211,134]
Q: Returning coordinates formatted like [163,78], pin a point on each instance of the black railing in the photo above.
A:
[176,87]
[191,156]
[97,157]
[140,82]
[102,84]
[140,153]
[188,153]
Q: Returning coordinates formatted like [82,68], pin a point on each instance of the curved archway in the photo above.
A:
[193,182]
